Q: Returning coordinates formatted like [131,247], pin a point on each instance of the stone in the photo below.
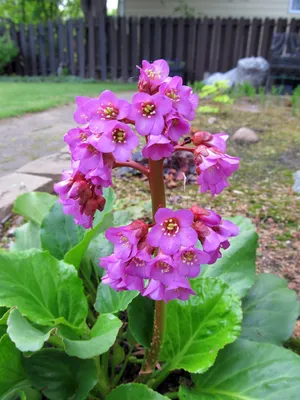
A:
[253,70]
[296,187]
[245,136]
[229,76]
[49,166]
[11,186]
[212,120]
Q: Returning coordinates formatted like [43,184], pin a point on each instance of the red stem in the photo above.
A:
[133,164]
[158,197]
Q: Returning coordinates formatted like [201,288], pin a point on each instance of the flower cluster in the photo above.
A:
[158,263]
[214,166]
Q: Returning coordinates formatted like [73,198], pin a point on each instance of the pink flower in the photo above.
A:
[188,261]
[148,113]
[80,116]
[126,238]
[162,269]
[106,108]
[155,290]
[79,197]
[180,289]
[118,139]
[217,140]
[158,147]
[180,96]
[139,265]
[176,126]
[214,168]
[173,229]
[152,75]
[76,136]
[88,157]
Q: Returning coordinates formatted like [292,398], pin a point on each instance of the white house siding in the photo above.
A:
[211,8]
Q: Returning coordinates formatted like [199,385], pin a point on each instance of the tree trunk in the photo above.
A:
[96,7]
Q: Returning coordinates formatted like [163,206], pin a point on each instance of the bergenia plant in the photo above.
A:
[97,304]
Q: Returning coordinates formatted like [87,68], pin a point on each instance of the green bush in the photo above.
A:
[8,51]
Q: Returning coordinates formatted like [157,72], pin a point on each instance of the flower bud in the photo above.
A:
[201,137]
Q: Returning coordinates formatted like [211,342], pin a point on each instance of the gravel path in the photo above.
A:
[25,138]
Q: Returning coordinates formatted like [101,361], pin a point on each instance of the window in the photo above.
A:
[294,6]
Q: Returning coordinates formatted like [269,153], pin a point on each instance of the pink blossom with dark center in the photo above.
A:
[126,238]
[152,75]
[139,265]
[176,126]
[188,261]
[158,147]
[118,139]
[214,170]
[76,136]
[173,229]
[180,96]
[162,269]
[106,108]
[148,113]
[180,289]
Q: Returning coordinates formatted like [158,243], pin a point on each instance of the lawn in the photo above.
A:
[17,98]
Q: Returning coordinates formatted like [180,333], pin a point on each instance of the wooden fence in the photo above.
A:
[111,47]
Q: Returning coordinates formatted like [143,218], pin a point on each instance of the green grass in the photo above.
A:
[17,98]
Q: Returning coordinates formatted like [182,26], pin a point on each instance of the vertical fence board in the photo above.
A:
[215,45]
[23,43]
[113,48]
[14,36]
[124,48]
[201,48]
[71,60]
[226,49]
[268,29]
[134,55]
[255,36]
[42,39]
[80,47]
[158,40]
[180,39]
[191,49]
[31,34]
[52,62]
[281,25]
[295,25]
[169,39]
[102,47]
[245,38]
[145,38]
[61,42]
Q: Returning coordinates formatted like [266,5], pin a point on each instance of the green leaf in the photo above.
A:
[270,310]
[59,233]
[99,247]
[140,318]
[59,376]
[122,217]
[25,336]
[45,290]
[237,265]
[102,337]
[198,328]
[75,255]
[111,301]
[34,205]
[134,391]
[248,371]
[12,374]
[27,237]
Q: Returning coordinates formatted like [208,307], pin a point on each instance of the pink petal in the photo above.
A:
[185,217]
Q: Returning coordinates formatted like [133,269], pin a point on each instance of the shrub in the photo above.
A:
[8,51]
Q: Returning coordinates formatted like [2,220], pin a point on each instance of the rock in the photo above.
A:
[212,120]
[296,186]
[253,70]
[50,166]
[229,76]
[245,136]
[11,186]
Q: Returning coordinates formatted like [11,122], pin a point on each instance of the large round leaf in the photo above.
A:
[134,391]
[140,318]
[27,237]
[237,265]
[34,205]
[59,376]
[45,290]
[59,233]
[248,371]
[270,310]
[197,329]
[111,301]
[102,337]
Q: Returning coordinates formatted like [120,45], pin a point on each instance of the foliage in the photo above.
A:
[296,100]
[49,308]
[8,51]
[35,11]
[218,93]
[244,90]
